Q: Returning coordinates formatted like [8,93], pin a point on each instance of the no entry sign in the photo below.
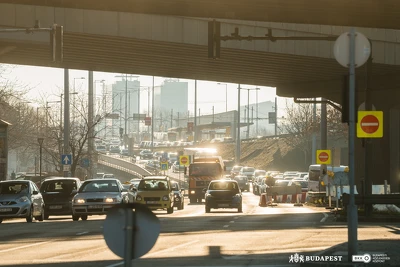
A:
[370,124]
[184,160]
[324,157]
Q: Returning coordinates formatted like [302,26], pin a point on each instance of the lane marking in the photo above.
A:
[26,246]
[226,225]
[232,222]
[325,217]
[170,249]
[82,233]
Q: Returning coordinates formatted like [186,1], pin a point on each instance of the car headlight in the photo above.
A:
[110,200]
[192,192]
[23,199]
[79,201]
[165,198]
[138,198]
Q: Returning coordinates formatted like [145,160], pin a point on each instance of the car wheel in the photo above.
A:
[180,206]
[208,209]
[41,217]
[75,217]
[240,208]
[29,218]
[170,210]
[84,217]
[1,220]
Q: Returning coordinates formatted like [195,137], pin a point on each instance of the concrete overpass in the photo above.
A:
[169,38]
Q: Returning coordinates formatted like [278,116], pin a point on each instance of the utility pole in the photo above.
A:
[276,116]
[256,113]
[126,103]
[66,115]
[90,126]
[314,134]
[237,151]
[213,114]
[177,122]
[195,111]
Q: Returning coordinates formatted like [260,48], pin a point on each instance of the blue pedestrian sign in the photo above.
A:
[164,166]
[85,163]
[66,159]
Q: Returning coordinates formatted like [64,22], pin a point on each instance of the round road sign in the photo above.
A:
[184,160]
[369,124]
[341,49]
[323,156]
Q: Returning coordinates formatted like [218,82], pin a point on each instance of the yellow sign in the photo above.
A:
[370,124]
[324,157]
[184,160]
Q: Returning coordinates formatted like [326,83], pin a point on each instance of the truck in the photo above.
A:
[202,169]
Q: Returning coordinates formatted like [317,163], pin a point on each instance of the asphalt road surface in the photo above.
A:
[260,236]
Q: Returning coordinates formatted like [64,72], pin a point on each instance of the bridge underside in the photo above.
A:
[293,75]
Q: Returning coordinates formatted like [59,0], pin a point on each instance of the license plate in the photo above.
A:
[95,207]
[151,202]
[5,209]
[223,205]
[55,207]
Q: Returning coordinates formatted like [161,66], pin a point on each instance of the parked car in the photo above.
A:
[96,197]
[57,194]
[179,196]
[124,152]
[223,194]
[21,199]
[114,149]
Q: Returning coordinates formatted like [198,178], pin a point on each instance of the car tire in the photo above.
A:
[75,217]
[180,206]
[240,208]
[29,218]
[1,220]
[41,217]
[170,210]
[84,217]
[208,209]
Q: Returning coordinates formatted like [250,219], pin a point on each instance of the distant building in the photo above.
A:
[171,96]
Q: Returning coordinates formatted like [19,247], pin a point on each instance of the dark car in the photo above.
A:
[146,154]
[243,183]
[57,193]
[20,199]
[223,194]
[179,198]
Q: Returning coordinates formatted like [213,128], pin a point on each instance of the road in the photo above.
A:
[258,236]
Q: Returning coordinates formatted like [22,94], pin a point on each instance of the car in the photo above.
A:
[256,184]
[156,193]
[179,196]
[96,197]
[146,154]
[21,199]
[243,183]
[235,170]
[153,166]
[101,149]
[124,152]
[57,194]
[247,171]
[177,168]
[114,149]
[223,194]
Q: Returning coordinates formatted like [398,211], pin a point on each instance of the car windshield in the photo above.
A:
[99,186]
[58,186]
[14,188]
[224,185]
[153,184]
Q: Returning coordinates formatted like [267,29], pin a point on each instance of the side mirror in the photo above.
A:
[35,192]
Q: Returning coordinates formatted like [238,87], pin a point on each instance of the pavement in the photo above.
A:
[376,252]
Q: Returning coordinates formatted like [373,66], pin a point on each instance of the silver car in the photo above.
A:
[21,199]
[96,197]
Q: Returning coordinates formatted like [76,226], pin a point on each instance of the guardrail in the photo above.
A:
[121,164]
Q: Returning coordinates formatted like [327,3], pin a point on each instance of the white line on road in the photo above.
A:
[82,233]
[26,246]
[157,252]
[232,222]
[325,217]
[226,225]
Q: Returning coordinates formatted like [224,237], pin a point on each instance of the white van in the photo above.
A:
[314,172]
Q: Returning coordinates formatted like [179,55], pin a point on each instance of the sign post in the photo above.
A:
[352,50]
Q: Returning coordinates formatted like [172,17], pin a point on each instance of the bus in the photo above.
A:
[339,173]
[204,167]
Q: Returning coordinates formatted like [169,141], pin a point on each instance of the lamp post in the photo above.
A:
[104,102]
[248,109]
[40,140]
[226,95]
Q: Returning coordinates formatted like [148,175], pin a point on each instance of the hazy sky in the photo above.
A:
[48,84]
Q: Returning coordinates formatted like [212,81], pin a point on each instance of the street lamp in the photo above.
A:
[40,140]
[104,103]
[226,95]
